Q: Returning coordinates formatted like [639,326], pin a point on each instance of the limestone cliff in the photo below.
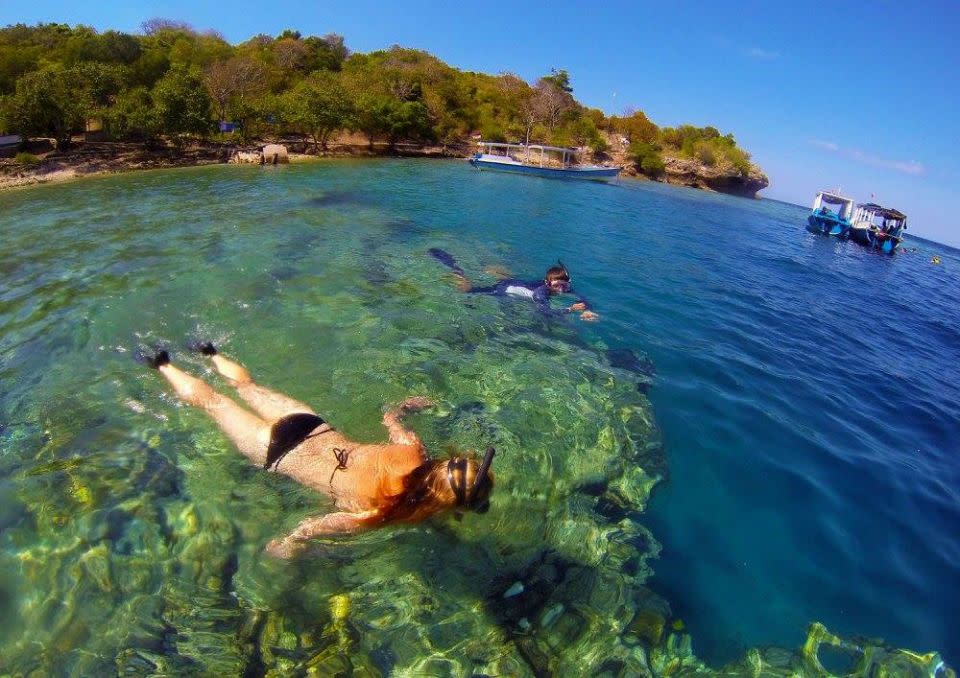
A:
[689,172]
[721,177]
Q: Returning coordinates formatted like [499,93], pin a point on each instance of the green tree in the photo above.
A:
[234,83]
[331,51]
[133,116]
[23,48]
[386,116]
[182,103]
[4,114]
[318,106]
[369,117]
[46,103]
[636,126]
[85,44]
[408,120]
[98,83]
[559,79]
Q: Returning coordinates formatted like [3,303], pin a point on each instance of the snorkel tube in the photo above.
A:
[482,471]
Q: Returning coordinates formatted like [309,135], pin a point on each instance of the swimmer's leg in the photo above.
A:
[248,432]
[447,260]
[268,404]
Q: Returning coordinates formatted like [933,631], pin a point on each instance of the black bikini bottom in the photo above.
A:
[289,432]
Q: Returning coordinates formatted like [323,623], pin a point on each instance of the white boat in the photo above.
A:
[543,161]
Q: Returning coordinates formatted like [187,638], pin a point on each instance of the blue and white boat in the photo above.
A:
[831,214]
[543,161]
[878,227]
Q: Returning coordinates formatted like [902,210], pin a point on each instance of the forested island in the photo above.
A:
[73,98]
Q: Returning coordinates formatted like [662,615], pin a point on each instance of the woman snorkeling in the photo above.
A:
[372,485]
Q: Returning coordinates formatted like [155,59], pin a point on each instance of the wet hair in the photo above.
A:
[558,272]
[428,489]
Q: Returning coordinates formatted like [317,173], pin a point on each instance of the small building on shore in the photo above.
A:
[10,143]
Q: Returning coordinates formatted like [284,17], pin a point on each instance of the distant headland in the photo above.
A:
[74,101]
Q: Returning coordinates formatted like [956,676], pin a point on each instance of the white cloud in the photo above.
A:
[760,53]
[907,167]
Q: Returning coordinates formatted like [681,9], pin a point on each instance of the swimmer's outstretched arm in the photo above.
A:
[400,434]
[582,306]
[319,526]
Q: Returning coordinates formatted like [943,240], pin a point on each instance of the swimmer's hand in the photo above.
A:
[589,316]
[285,548]
[414,404]
[579,306]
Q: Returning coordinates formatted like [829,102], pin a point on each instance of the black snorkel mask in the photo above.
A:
[560,284]
[457,477]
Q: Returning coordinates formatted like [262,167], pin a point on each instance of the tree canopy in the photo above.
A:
[171,80]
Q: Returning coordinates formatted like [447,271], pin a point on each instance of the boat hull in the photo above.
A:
[825,225]
[874,240]
[583,174]
[861,236]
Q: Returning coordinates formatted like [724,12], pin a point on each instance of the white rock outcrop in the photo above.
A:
[275,154]
[246,156]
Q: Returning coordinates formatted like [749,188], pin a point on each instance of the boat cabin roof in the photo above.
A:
[534,147]
[885,212]
[834,199]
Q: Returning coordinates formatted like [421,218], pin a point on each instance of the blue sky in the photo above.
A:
[863,96]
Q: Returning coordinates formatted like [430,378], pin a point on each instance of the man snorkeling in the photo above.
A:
[372,485]
[555,281]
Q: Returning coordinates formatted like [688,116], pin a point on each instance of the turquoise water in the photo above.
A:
[805,397]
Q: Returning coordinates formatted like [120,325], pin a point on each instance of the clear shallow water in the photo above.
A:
[806,392]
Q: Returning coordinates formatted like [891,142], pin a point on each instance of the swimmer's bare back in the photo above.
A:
[357,476]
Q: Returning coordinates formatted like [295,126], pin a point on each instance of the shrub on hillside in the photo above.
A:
[739,158]
[653,165]
[647,158]
[24,158]
[703,151]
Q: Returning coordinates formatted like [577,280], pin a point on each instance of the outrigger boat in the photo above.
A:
[547,161]
[827,221]
[878,227]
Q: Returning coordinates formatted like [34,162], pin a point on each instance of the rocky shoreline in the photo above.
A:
[85,159]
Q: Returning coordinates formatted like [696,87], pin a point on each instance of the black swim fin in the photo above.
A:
[446,259]
[153,361]
[201,346]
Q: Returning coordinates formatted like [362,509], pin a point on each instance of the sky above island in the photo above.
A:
[861,96]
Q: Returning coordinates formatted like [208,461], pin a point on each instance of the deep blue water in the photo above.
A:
[808,394]
[806,389]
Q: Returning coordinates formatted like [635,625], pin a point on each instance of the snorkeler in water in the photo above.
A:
[555,281]
[372,484]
